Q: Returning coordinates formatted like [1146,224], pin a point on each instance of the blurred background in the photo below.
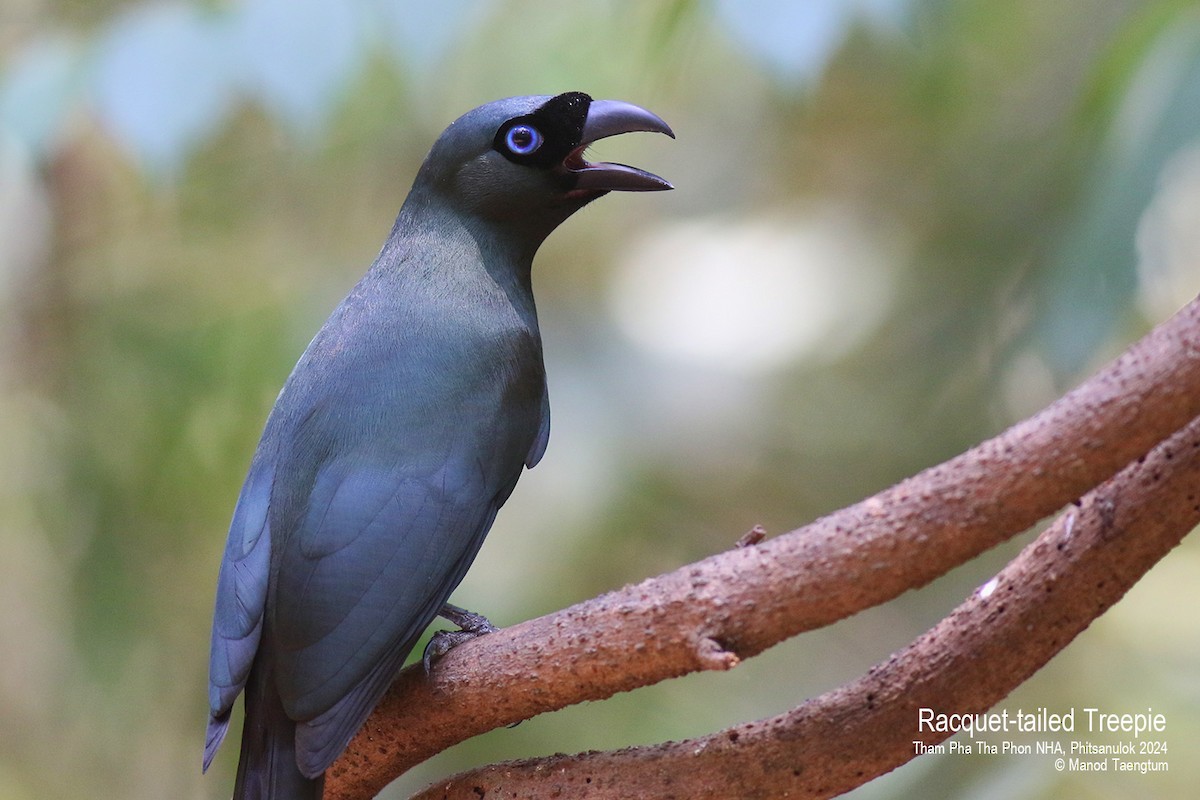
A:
[899,226]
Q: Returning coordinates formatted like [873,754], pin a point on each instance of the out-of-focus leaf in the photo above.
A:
[163,82]
[1090,280]
[296,56]
[37,90]
[25,219]
[419,32]
[797,40]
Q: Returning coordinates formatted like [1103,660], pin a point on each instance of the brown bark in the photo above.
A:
[733,605]
[972,659]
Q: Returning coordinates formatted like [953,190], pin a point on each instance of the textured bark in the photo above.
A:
[968,662]
[711,614]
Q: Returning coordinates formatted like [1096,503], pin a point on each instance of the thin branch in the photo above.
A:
[733,605]
[971,660]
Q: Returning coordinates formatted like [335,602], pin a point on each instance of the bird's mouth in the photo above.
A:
[608,118]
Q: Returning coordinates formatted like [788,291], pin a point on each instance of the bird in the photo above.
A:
[401,431]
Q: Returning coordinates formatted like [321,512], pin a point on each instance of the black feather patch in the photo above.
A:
[560,122]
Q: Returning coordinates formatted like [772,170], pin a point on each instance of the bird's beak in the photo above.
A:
[608,118]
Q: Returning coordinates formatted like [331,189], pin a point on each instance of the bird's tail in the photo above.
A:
[267,768]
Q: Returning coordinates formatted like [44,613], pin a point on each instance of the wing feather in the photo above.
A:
[367,571]
[240,602]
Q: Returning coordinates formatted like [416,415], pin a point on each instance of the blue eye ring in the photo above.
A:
[523,140]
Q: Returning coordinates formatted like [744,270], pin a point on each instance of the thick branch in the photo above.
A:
[1000,636]
[733,605]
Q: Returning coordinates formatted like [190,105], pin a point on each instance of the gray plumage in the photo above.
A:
[399,434]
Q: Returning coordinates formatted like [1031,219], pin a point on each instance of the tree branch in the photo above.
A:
[967,663]
[733,605]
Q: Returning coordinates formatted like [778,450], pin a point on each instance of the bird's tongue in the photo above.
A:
[609,176]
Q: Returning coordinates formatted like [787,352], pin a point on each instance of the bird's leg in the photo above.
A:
[470,626]
[467,621]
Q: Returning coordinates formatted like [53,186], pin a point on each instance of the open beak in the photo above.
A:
[609,118]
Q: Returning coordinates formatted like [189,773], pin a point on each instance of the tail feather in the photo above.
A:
[267,768]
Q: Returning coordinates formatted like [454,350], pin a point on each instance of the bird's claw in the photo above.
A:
[471,626]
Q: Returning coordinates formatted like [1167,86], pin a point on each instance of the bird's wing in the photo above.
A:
[241,598]
[376,553]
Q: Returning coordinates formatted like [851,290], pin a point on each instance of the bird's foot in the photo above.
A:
[470,626]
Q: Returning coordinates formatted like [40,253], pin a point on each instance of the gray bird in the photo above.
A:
[399,434]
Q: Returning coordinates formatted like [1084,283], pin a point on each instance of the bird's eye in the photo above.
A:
[522,140]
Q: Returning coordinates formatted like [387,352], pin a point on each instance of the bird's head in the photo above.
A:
[521,160]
